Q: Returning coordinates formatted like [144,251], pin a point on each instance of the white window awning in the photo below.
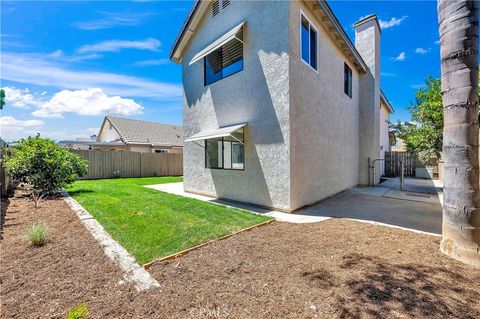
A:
[227,37]
[220,132]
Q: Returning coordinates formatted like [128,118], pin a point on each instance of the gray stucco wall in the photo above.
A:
[324,120]
[258,95]
[367,42]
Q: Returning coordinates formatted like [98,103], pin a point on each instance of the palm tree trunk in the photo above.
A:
[458,26]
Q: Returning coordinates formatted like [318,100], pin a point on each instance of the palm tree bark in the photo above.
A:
[458,26]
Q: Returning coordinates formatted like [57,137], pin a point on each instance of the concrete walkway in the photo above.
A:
[362,205]
[382,205]
[177,189]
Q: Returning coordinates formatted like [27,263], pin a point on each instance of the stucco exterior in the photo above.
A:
[304,139]
[367,42]
[384,135]
[258,95]
[324,120]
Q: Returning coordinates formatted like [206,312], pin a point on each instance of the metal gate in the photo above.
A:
[394,160]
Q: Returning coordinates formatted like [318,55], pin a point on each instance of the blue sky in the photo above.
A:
[65,65]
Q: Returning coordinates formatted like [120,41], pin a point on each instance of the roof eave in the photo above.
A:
[186,30]
[387,103]
[189,27]
[341,32]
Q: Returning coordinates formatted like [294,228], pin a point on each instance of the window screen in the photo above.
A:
[225,61]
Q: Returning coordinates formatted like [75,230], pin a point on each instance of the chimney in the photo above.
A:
[367,42]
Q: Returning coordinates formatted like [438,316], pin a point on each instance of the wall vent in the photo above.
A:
[225,3]
[215,7]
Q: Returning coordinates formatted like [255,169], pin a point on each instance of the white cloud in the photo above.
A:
[151,62]
[110,20]
[37,70]
[401,57]
[21,99]
[12,129]
[10,121]
[393,22]
[59,55]
[437,42]
[421,51]
[89,102]
[150,44]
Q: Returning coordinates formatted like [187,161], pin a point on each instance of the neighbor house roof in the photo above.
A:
[325,15]
[144,132]
[387,103]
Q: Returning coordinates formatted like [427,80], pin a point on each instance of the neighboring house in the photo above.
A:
[399,145]
[122,134]
[280,108]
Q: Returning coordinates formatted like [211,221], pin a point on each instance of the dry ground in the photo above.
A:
[333,269]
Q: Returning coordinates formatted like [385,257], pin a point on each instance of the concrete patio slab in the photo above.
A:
[403,213]
[177,189]
[364,204]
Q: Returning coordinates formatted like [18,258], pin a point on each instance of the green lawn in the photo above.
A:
[152,224]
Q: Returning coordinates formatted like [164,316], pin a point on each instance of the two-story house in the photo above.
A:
[280,108]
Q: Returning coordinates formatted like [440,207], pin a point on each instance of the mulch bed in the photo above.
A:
[333,269]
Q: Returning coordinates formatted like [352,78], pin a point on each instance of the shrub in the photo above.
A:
[80,311]
[37,233]
[44,165]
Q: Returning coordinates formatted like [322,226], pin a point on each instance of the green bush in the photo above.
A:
[80,311]
[37,233]
[44,165]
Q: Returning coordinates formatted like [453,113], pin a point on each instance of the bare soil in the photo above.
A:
[333,269]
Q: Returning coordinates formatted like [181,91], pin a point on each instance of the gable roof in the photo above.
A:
[325,15]
[144,132]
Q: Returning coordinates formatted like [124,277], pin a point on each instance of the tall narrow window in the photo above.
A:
[308,39]
[347,83]
[225,61]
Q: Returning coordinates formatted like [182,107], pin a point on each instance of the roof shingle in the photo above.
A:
[136,131]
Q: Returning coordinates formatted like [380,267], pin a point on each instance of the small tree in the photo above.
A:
[44,165]
[2,98]
[424,134]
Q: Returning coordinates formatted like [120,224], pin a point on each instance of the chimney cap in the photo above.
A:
[366,19]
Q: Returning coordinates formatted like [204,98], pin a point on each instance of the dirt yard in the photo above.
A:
[333,269]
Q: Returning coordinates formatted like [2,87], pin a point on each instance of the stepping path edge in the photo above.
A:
[133,271]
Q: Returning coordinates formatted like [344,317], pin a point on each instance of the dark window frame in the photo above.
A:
[347,80]
[223,154]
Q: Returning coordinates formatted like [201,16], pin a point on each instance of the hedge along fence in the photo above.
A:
[111,164]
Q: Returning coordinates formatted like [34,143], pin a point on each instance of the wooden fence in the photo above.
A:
[410,161]
[6,183]
[111,164]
